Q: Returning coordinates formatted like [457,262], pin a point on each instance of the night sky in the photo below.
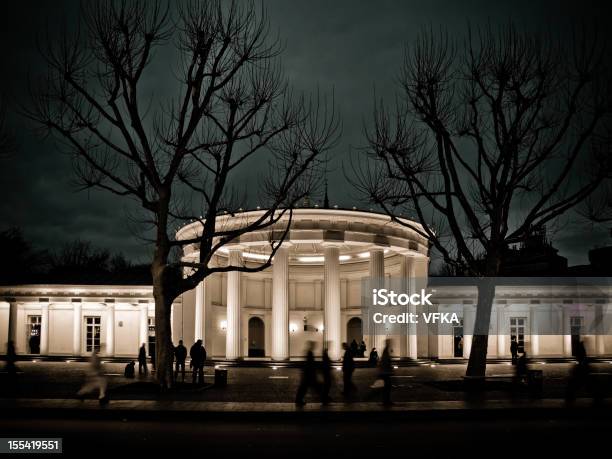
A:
[350,47]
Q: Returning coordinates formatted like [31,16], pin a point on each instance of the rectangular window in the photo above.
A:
[33,333]
[92,333]
[517,330]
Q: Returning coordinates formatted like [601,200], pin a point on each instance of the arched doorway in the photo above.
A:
[354,331]
[257,337]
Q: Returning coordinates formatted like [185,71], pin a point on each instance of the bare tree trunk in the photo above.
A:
[164,355]
[477,364]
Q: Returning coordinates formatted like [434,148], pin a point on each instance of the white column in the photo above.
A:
[501,332]
[110,329]
[377,281]
[12,323]
[203,315]
[332,325]
[232,334]
[280,304]
[77,326]
[565,327]
[600,343]
[144,325]
[467,339]
[410,273]
[533,327]
[44,330]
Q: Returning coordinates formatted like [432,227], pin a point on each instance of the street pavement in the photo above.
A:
[266,385]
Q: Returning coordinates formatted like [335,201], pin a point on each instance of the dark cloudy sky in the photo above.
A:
[351,47]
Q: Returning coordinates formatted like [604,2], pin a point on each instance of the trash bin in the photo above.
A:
[535,379]
[220,377]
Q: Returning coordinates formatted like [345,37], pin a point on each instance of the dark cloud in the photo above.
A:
[349,47]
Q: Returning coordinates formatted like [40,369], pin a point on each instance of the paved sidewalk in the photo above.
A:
[40,406]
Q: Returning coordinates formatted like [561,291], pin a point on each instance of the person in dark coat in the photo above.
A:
[354,348]
[348,367]
[386,372]
[197,364]
[326,370]
[309,376]
[130,370]
[142,360]
[514,350]
[373,359]
[180,354]
[202,363]
[362,349]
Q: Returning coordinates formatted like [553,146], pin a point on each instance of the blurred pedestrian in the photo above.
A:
[348,367]
[326,370]
[309,376]
[579,373]
[386,372]
[95,380]
[514,350]
[522,368]
[142,360]
[180,354]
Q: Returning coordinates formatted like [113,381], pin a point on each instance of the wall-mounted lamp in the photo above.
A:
[292,328]
[223,325]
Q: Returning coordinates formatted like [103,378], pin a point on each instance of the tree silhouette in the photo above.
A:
[179,157]
[488,142]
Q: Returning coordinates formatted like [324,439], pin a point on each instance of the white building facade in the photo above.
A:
[312,292]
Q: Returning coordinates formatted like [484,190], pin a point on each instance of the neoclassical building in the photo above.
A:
[312,292]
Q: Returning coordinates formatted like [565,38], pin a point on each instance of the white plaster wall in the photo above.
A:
[61,330]
[4,318]
[126,334]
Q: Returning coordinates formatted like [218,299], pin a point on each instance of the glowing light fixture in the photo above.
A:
[256,256]
[344,257]
[316,259]
[364,255]
[223,325]
[292,328]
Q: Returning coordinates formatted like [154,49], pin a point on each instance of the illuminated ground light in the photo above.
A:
[275,368]
[433,365]
[338,368]
[395,367]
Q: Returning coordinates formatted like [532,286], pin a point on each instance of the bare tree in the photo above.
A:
[488,142]
[232,110]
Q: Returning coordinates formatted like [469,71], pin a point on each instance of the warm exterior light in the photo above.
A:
[223,325]
[292,328]
[256,256]
[364,255]
[311,259]
[344,257]
[275,368]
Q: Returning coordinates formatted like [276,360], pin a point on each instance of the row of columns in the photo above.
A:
[77,327]
[280,303]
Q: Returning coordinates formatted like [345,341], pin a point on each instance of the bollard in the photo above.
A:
[220,377]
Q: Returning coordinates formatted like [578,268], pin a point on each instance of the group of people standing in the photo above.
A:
[197,353]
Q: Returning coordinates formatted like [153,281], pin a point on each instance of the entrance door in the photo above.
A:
[458,341]
[354,331]
[257,336]
[575,330]
[517,329]
[33,334]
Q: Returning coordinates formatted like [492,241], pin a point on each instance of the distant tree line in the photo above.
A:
[76,262]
